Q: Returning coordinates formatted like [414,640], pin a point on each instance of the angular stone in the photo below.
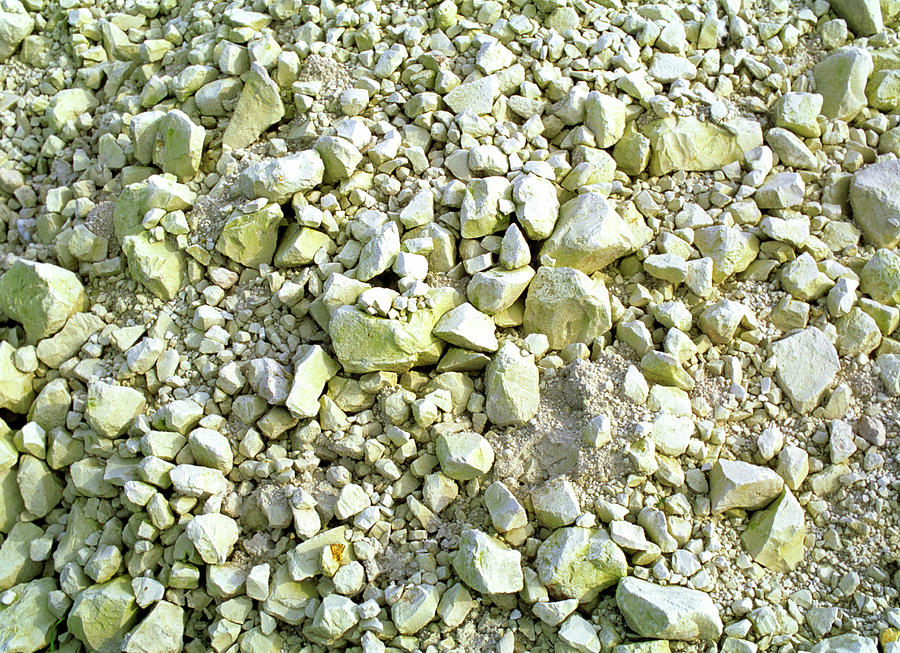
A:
[311,372]
[214,536]
[875,198]
[111,408]
[841,80]
[736,484]
[857,333]
[379,254]
[464,455]
[687,143]
[161,631]
[775,535]
[588,236]
[54,351]
[334,617]
[248,238]
[16,390]
[300,245]
[103,614]
[555,503]
[579,563]
[156,192]
[67,105]
[26,623]
[880,277]
[365,343]
[669,612]
[40,296]
[782,191]
[660,367]
[863,16]
[798,112]
[39,487]
[732,250]
[340,156]
[158,266]
[605,117]
[849,643]
[481,213]
[512,387]
[807,363]
[803,279]
[467,327]
[567,306]
[477,96]
[180,145]
[506,512]
[16,565]
[258,108]
[415,609]
[537,206]
[278,179]
[487,565]
[494,291]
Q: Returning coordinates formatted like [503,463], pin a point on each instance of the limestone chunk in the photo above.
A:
[669,612]
[379,254]
[481,213]
[16,390]
[494,291]
[279,179]
[180,145]
[247,238]
[40,296]
[555,503]
[512,387]
[537,206]
[588,236]
[159,266]
[365,343]
[506,512]
[16,565]
[798,112]
[567,306]
[736,484]
[579,563]
[464,455]
[863,16]
[875,198]
[477,96]
[731,249]
[880,277]
[686,143]
[467,327]
[161,631]
[841,79]
[782,191]
[258,108]
[113,601]
[111,408]
[26,622]
[487,565]
[807,363]
[336,615]
[214,536]
[605,117]
[415,609]
[67,105]
[775,535]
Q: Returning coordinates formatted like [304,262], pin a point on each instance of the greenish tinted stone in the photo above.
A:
[248,238]
[687,143]
[841,80]
[26,624]
[775,535]
[180,145]
[156,192]
[480,213]
[111,408]
[732,250]
[279,179]
[258,108]
[16,390]
[40,488]
[669,612]
[464,455]
[365,343]
[512,387]
[40,296]
[103,614]
[16,565]
[11,504]
[416,607]
[875,198]
[299,246]
[158,266]
[487,565]
[857,332]
[67,105]
[663,368]
[798,112]
[579,563]
[880,277]
[567,306]
[495,290]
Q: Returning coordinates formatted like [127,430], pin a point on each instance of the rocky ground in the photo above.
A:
[546,325]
